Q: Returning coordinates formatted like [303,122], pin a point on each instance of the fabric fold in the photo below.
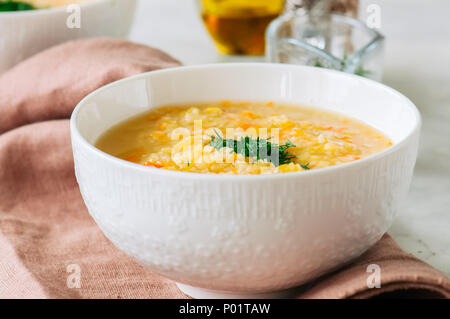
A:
[50,84]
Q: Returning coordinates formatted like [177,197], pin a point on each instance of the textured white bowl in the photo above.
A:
[248,236]
[25,33]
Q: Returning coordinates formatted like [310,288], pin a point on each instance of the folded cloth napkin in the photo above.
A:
[46,233]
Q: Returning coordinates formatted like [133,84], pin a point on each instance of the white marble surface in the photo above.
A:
[417,64]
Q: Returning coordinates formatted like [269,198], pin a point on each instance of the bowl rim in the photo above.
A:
[43,11]
[75,133]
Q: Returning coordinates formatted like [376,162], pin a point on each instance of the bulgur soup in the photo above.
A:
[241,138]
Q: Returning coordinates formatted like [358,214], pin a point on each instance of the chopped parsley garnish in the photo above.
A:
[258,148]
[306,166]
[15,6]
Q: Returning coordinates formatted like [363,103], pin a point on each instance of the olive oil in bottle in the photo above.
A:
[238,26]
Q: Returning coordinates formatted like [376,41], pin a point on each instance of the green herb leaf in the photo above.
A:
[258,148]
[306,166]
[15,6]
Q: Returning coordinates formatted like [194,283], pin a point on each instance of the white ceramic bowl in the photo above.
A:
[245,236]
[25,33]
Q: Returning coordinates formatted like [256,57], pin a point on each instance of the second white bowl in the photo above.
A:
[25,33]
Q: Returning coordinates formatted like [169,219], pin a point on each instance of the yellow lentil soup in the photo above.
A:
[241,138]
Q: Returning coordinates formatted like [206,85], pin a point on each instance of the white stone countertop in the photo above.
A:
[417,63]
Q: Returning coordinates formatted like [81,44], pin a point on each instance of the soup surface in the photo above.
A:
[241,138]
